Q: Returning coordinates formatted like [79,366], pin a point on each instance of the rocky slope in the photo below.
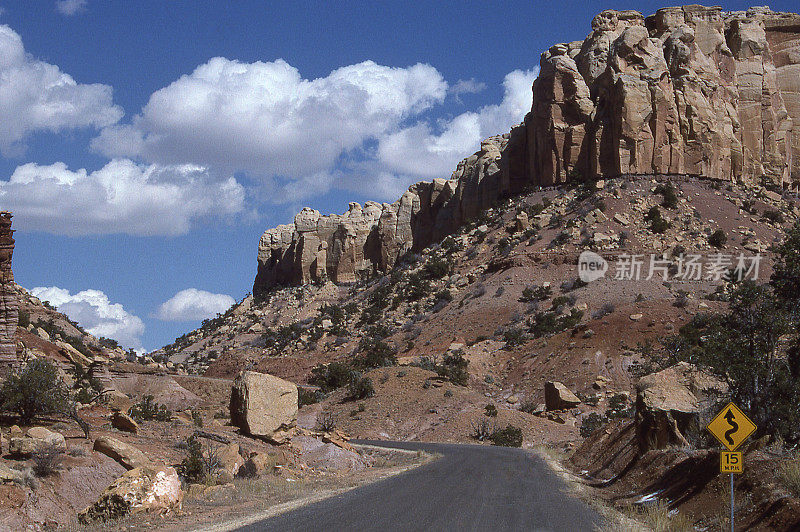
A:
[691,91]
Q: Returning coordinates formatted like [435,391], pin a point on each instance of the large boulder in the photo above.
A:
[138,490]
[559,397]
[669,404]
[264,406]
[127,455]
[36,438]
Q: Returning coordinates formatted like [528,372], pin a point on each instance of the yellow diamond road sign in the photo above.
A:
[731,427]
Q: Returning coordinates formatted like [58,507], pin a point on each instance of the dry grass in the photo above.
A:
[790,475]
[659,518]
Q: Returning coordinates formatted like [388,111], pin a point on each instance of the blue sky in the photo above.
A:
[145,146]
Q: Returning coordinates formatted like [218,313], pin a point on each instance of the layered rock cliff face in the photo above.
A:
[343,248]
[8,299]
[688,91]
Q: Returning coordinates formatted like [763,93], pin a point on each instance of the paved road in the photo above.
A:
[469,488]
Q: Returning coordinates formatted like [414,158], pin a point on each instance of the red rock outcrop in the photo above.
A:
[690,90]
[8,300]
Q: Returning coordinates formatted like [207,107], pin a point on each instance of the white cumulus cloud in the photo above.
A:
[267,120]
[467,86]
[433,150]
[37,96]
[194,305]
[70,7]
[93,311]
[121,197]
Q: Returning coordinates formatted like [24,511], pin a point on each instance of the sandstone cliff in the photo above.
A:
[8,299]
[688,91]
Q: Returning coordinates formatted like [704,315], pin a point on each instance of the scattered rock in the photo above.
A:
[116,400]
[124,422]
[127,455]
[559,397]
[229,462]
[36,438]
[636,317]
[622,219]
[139,490]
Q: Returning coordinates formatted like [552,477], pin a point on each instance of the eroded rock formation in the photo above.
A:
[365,239]
[690,90]
[8,299]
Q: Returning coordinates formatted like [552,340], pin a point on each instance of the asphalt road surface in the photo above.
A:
[469,488]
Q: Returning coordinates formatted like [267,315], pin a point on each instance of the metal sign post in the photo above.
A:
[732,502]
[731,427]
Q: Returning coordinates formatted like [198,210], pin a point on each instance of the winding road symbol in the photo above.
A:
[731,427]
[730,418]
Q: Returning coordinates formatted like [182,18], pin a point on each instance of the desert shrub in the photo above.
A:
[514,337]
[307,396]
[739,348]
[535,293]
[568,286]
[47,460]
[602,312]
[381,296]
[591,423]
[510,436]
[618,407]
[681,300]
[326,422]
[444,295]
[773,216]
[77,451]
[547,323]
[197,419]
[427,362]
[670,198]
[24,318]
[281,338]
[200,463]
[454,367]
[436,268]
[479,291]
[749,206]
[330,376]
[416,287]
[657,223]
[86,387]
[375,353]
[559,240]
[360,387]
[35,390]
[490,410]
[148,410]
[544,323]
[482,429]
[718,238]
